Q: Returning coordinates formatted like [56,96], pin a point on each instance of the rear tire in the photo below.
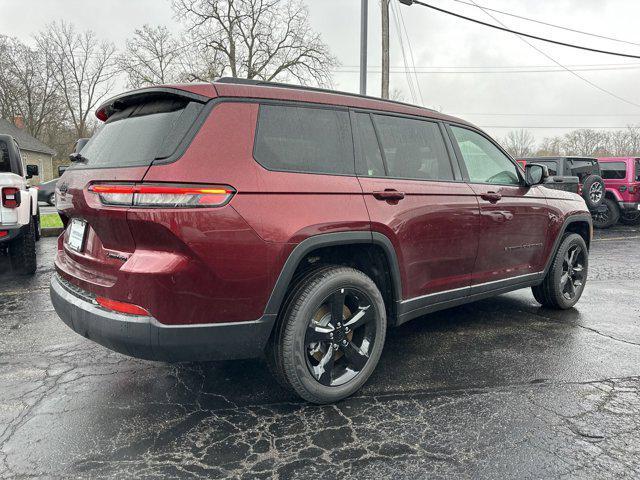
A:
[564,283]
[51,199]
[609,218]
[330,335]
[630,217]
[22,251]
[593,190]
[38,228]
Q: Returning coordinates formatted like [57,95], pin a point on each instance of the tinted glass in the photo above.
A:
[5,164]
[301,139]
[637,170]
[552,166]
[484,161]
[582,168]
[140,134]
[413,148]
[370,161]
[614,170]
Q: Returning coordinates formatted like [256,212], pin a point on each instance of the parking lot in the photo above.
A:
[500,388]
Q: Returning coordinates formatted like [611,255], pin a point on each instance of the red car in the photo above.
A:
[622,181]
[240,218]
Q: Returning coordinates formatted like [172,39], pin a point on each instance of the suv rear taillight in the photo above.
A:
[162,195]
[10,197]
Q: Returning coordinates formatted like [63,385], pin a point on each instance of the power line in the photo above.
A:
[398,31]
[403,71]
[587,81]
[516,32]
[413,63]
[581,32]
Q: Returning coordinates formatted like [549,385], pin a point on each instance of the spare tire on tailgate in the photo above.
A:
[593,190]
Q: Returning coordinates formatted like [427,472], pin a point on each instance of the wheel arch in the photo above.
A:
[333,243]
[581,224]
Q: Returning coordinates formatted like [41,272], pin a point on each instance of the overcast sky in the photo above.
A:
[484,94]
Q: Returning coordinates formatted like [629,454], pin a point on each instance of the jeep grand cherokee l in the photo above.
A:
[239,218]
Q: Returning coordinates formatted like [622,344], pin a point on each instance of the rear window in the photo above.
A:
[141,133]
[614,170]
[582,168]
[304,139]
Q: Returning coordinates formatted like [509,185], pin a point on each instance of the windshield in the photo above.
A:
[141,133]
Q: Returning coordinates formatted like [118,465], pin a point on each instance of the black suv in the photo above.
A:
[581,175]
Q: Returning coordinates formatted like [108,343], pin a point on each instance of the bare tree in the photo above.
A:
[584,142]
[269,40]
[83,69]
[150,57]
[550,146]
[519,143]
[27,87]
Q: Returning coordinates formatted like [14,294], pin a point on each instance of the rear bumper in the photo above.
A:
[14,232]
[629,205]
[145,337]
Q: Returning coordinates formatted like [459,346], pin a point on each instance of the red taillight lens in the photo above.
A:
[164,196]
[3,233]
[122,307]
[10,197]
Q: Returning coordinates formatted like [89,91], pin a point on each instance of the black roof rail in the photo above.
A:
[264,83]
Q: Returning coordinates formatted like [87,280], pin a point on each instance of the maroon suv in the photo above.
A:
[236,219]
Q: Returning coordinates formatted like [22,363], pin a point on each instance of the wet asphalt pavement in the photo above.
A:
[497,389]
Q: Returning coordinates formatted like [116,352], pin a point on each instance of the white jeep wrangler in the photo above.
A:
[19,212]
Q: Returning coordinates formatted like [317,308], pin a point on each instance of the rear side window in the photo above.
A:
[637,176]
[370,160]
[614,170]
[141,133]
[582,168]
[304,139]
[5,164]
[413,149]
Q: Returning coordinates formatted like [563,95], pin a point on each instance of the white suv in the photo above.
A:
[19,213]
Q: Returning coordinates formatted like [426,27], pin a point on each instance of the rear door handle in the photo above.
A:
[389,195]
[492,197]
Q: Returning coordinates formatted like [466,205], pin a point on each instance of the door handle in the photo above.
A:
[389,195]
[492,197]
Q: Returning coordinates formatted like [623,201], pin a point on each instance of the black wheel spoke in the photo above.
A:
[337,307]
[354,356]
[362,316]
[317,333]
[323,371]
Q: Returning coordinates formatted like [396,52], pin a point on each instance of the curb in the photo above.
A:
[52,232]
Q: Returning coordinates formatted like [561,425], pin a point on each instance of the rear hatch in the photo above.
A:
[148,126]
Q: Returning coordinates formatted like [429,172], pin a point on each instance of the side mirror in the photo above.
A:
[32,171]
[536,173]
[61,169]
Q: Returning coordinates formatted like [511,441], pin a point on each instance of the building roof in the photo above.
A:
[25,140]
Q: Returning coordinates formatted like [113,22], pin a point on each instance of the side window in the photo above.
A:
[413,148]
[5,164]
[484,161]
[304,139]
[613,170]
[370,159]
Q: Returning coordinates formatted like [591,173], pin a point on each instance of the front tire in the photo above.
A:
[630,217]
[22,251]
[564,283]
[331,335]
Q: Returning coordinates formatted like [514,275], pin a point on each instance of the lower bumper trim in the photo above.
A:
[145,337]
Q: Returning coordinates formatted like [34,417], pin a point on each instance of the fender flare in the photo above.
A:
[328,240]
[575,218]
[612,192]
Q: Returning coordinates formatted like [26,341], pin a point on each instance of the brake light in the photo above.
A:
[122,307]
[10,197]
[3,233]
[164,196]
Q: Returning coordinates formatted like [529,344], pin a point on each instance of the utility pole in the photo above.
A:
[384,4]
[364,17]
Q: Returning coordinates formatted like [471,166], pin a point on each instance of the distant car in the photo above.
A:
[580,175]
[47,192]
[622,180]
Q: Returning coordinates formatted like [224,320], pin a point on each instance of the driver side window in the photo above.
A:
[484,161]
